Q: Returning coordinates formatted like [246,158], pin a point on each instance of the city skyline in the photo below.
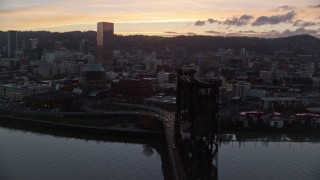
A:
[166,18]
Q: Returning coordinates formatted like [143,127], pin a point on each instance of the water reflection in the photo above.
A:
[266,160]
[31,154]
[258,136]
[242,144]
[147,150]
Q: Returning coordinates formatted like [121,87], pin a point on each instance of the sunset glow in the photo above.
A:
[271,18]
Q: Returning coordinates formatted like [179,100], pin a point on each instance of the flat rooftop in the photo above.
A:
[163,99]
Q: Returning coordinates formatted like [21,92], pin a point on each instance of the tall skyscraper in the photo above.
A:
[12,43]
[104,45]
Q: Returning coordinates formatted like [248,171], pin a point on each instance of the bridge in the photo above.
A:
[192,154]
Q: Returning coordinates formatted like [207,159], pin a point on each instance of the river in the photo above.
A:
[29,154]
[269,160]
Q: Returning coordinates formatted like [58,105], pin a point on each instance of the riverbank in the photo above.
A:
[112,131]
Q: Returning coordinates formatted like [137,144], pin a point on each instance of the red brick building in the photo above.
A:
[133,90]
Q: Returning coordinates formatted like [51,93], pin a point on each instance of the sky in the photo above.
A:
[258,18]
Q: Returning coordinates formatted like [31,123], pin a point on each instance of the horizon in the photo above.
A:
[163,36]
[184,17]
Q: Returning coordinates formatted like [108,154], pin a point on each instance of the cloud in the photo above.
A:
[303,23]
[298,31]
[284,8]
[191,34]
[246,33]
[200,23]
[171,32]
[314,6]
[213,32]
[242,21]
[270,34]
[210,20]
[263,20]
[235,21]
[249,31]
[286,33]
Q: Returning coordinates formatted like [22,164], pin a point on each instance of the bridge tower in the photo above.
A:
[197,103]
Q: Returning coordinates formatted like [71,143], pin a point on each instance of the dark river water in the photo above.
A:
[269,161]
[29,155]
[26,155]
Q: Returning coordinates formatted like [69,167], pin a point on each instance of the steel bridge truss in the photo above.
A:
[197,103]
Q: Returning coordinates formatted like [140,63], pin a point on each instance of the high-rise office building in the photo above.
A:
[12,43]
[28,44]
[84,46]
[94,77]
[34,43]
[104,45]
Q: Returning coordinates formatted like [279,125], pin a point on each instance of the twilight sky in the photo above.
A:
[261,18]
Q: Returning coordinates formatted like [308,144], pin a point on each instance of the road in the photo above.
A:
[174,155]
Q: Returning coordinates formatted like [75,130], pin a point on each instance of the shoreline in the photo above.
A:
[4,119]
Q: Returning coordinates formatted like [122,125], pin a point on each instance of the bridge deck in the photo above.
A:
[175,159]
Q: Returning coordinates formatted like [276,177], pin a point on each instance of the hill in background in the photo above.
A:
[300,44]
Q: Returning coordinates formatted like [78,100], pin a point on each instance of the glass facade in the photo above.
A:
[104,45]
